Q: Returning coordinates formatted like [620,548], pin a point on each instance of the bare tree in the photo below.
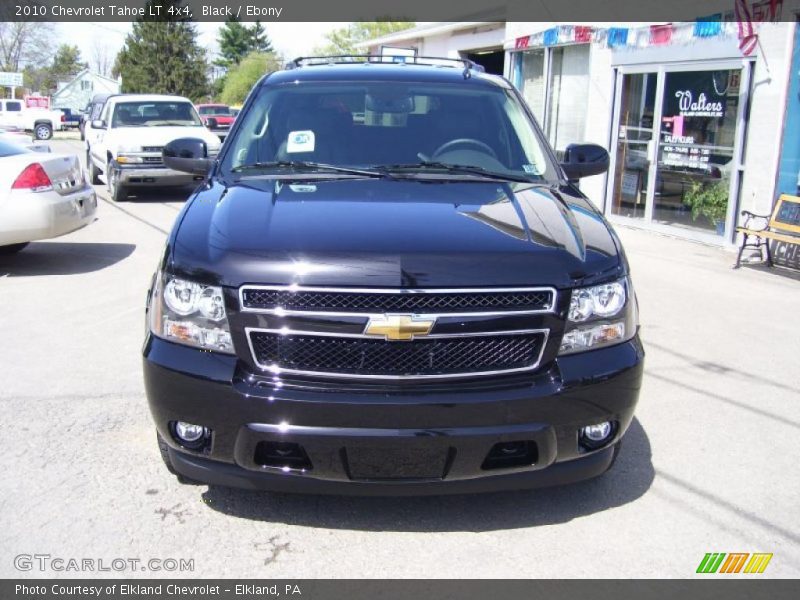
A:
[25,43]
[102,59]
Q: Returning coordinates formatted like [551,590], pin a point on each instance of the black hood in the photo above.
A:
[385,233]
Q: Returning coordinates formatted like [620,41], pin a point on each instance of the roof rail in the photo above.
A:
[349,59]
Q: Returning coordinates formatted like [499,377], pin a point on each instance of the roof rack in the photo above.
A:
[350,59]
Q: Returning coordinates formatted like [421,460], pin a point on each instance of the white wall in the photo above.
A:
[771,82]
[449,44]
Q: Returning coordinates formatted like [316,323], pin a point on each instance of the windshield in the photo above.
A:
[395,126]
[214,110]
[154,114]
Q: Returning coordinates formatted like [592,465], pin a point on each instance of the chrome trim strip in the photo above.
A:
[277,370]
[298,288]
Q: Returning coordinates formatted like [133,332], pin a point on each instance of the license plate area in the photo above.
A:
[397,462]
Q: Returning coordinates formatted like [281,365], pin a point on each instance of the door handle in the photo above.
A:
[651,151]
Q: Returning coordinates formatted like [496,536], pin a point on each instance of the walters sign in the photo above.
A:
[700,107]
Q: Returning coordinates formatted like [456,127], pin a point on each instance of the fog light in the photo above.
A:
[188,432]
[597,433]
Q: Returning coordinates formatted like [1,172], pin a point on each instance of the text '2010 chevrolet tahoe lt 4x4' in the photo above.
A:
[389,285]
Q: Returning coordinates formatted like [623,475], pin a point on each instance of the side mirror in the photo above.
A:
[189,155]
[98,124]
[211,123]
[583,160]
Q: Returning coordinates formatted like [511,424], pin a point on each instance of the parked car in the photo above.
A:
[41,121]
[388,285]
[217,117]
[92,111]
[20,137]
[72,119]
[124,144]
[41,196]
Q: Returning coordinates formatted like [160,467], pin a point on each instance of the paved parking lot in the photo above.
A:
[709,465]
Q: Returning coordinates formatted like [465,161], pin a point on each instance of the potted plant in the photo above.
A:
[709,200]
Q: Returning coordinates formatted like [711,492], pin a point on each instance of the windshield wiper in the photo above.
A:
[457,169]
[308,166]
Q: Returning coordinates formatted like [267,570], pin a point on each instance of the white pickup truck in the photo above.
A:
[41,121]
[123,146]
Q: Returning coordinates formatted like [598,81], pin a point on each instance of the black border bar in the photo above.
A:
[479,11]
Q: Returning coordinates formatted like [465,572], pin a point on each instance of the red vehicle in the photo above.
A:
[217,117]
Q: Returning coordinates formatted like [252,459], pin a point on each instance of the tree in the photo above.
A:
[24,43]
[243,77]
[161,55]
[237,41]
[259,40]
[66,64]
[344,39]
[102,60]
[234,41]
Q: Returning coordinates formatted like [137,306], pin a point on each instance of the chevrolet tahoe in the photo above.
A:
[388,284]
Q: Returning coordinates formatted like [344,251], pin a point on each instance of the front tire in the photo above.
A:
[94,172]
[12,248]
[43,131]
[116,190]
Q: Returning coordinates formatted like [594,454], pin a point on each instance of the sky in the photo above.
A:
[289,39]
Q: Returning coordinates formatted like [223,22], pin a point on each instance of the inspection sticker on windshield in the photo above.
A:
[300,141]
[531,169]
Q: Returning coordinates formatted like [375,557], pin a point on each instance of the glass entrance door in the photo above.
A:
[678,148]
[696,148]
[634,143]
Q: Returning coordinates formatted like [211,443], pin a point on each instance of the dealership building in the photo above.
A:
[700,123]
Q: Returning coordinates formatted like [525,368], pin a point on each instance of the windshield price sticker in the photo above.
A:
[300,141]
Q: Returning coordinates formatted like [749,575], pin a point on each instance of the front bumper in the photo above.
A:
[135,175]
[27,216]
[399,440]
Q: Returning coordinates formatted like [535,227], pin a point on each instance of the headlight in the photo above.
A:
[129,149]
[600,315]
[190,313]
[128,160]
[599,301]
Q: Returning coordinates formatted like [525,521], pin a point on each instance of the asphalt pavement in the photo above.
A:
[710,463]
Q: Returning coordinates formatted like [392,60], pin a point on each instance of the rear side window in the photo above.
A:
[11,149]
[13,106]
[96,110]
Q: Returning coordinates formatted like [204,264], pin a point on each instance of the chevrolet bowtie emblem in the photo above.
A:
[399,327]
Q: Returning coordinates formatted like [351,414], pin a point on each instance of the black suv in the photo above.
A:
[389,285]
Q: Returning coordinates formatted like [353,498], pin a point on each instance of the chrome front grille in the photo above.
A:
[366,301]
[379,358]
[420,333]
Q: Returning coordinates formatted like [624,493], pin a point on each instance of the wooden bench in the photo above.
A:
[783,225]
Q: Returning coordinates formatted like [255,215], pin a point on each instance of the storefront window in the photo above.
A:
[532,82]
[569,83]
